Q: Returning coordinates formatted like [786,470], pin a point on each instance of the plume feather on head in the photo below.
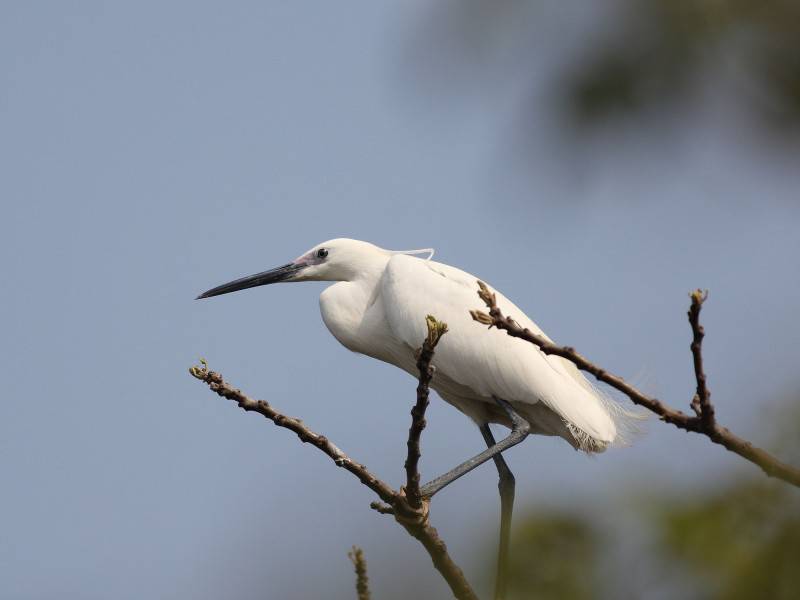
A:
[428,251]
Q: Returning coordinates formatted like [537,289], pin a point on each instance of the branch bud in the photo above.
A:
[481,317]
[436,329]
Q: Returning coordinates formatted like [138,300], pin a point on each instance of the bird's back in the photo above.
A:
[475,364]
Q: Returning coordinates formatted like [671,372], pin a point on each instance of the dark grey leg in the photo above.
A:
[519,431]
[506,487]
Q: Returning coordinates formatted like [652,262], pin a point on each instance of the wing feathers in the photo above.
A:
[490,363]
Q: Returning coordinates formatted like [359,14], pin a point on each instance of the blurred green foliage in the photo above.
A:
[663,49]
[622,58]
[554,556]
[743,540]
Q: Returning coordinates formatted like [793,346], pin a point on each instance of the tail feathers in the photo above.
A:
[583,441]
[621,423]
[626,424]
[628,420]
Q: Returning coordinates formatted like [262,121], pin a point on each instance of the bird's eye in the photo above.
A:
[322,253]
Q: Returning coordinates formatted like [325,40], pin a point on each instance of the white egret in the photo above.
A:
[378,307]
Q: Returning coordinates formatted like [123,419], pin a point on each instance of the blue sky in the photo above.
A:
[151,151]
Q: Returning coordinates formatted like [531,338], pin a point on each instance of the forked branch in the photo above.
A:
[702,422]
[408,509]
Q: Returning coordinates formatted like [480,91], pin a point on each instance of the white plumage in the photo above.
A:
[378,308]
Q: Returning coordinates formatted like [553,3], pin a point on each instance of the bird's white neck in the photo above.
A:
[345,306]
[366,270]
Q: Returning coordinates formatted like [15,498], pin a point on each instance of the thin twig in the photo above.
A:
[701,403]
[356,555]
[704,423]
[384,509]
[436,329]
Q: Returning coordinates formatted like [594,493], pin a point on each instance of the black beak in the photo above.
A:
[272,276]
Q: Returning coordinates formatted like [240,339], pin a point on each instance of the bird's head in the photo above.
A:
[335,260]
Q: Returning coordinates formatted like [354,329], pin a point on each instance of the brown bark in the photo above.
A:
[704,420]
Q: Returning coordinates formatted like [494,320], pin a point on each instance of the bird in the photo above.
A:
[377,306]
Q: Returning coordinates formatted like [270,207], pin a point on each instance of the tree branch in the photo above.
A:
[356,556]
[436,330]
[217,384]
[701,403]
[703,423]
[414,519]
[429,538]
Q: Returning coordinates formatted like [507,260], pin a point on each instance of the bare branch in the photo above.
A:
[429,537]
[356,555]
[306,435]
[436,329]
[413,519]
[704,423]
[701,403]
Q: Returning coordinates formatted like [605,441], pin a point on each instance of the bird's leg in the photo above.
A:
[519,431]
[506,485]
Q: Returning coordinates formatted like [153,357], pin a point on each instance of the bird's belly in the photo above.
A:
[482,409]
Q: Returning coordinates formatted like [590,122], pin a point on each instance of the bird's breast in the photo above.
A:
[354,316]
